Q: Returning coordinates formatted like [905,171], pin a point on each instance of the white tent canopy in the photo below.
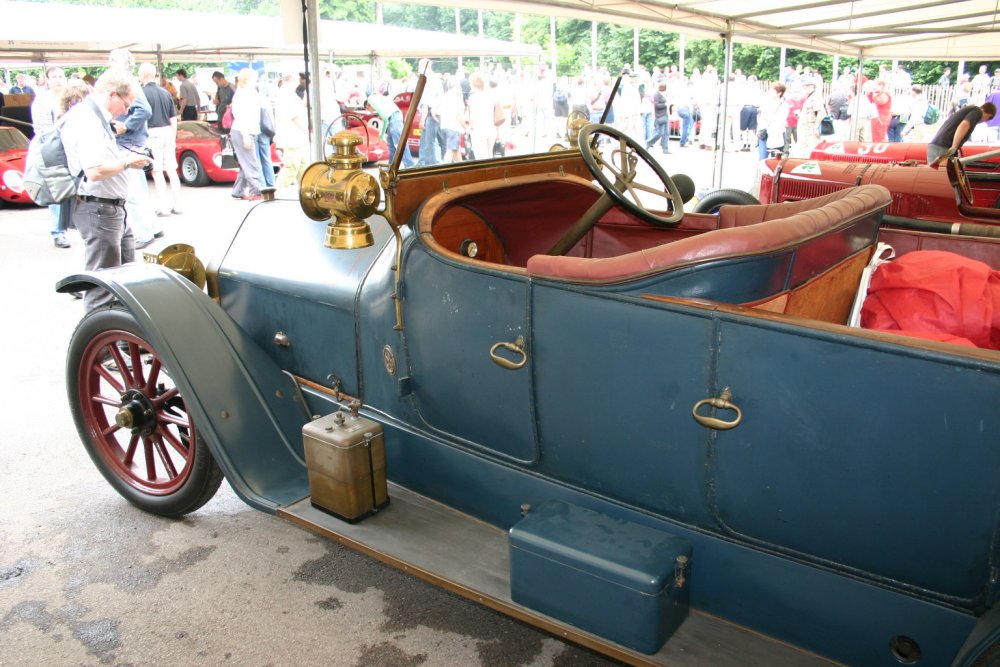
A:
[65,34]
[903,29]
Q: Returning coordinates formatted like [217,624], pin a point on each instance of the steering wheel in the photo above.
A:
[956,170]
[622,163]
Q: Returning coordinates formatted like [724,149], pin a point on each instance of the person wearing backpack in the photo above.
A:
[91,149]
[44,114]
[916,124]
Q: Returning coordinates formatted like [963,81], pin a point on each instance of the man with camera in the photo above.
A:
[132,132]
[162,141]
[91,150]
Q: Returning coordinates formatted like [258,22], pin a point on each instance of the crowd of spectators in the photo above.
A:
[486,111]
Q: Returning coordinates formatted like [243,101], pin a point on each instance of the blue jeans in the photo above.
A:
[662,133]
[264,155]
[394,137]
[647,127]
[249,180]
[687,124]
[429,153]
[895,133]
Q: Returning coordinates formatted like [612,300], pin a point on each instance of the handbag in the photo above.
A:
[227,118]
[498,114]
[467,152]
[229,160]
[826,126]
[266,123]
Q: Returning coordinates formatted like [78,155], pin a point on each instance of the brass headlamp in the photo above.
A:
[338,188]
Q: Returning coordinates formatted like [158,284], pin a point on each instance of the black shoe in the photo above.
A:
[60,241]
[158,235]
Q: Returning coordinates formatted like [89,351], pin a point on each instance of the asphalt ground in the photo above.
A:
[86,579]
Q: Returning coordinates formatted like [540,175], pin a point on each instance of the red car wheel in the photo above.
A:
[133,420]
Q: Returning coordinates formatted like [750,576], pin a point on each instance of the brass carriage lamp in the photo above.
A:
[338,188]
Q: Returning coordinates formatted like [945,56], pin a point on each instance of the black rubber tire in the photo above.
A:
[193,476]
[189,162]
[716,199]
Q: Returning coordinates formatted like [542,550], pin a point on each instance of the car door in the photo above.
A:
[466,329]
[869,455]
[616,378]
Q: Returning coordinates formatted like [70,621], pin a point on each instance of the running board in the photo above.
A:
[470,558]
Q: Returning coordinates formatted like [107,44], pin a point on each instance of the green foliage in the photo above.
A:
[398,69]
[361,11]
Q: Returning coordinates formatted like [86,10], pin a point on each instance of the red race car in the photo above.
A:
[967,191]
[865,151]
[200,158]
[368,126]
[13,150]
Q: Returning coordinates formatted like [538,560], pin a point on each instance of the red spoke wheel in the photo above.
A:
[133,420]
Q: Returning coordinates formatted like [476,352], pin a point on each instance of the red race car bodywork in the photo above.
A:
[866,151]
[199,155]
[13,150]
[960,193]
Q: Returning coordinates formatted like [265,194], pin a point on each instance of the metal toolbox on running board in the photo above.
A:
[615,578]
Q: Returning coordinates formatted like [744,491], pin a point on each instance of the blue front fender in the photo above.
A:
[243,404]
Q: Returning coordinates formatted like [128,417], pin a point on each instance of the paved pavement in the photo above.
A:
[86,579]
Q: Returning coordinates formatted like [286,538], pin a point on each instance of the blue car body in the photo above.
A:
[854,507]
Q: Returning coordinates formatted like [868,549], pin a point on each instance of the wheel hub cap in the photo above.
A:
[136,413]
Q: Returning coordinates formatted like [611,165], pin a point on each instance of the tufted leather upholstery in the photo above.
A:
[745,230]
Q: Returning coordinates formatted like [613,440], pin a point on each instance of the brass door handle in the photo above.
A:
[517,347]
[720,403]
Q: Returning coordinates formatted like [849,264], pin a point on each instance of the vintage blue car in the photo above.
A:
[645,431]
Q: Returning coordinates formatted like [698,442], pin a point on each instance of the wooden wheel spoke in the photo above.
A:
[136,359]
[175,443]
[147,451]
[109,377]
[164,456]
[168,418]
[123,370]
[158,401]
[130,452]
[101,399]
[154,375]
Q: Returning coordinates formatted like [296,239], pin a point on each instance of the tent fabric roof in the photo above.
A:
[903,29]
[78,34]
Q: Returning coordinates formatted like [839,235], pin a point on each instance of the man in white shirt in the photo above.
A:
[91,149]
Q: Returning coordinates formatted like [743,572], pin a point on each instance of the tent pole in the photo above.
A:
[635,50]
[723,127]
[312,27]
[682,53]
[552,45]
[458,31]
[856,108]
[593,46]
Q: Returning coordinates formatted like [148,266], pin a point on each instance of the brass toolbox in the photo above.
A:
[345,457]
